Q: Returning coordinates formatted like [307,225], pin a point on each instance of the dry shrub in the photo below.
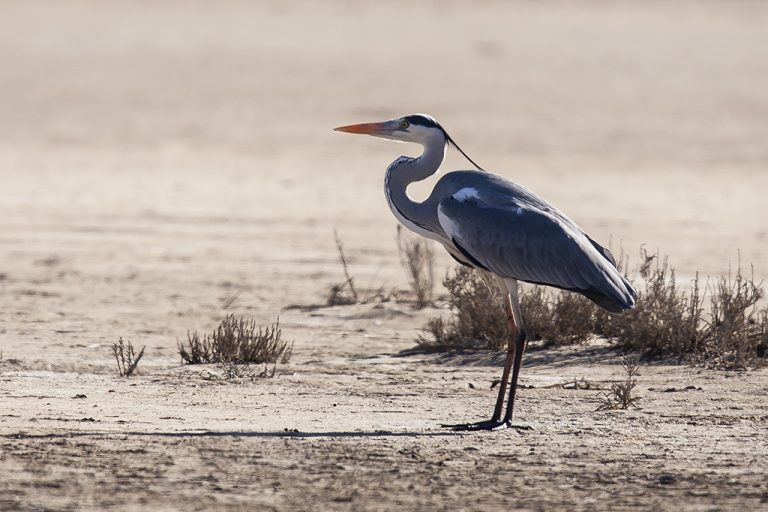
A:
[535,302]
[558,318]
[621,396]
[126,357]
[417,259]
[666,320]
[478,321]
[237,341]
[735,332]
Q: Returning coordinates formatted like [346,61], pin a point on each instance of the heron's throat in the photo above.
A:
[418,217]
[410,170]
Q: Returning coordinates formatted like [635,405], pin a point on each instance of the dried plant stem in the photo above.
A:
[621,396]
[417,259]
[343,260]
[127,359]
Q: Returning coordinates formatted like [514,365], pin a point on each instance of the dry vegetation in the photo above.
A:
[667,321]
[477,320]
[622,393]
[736,332]
[237,341]
[343,293]
[126,357]
[417,259]
[231,370]
[559,318]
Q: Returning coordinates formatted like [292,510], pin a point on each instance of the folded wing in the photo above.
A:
[533,245]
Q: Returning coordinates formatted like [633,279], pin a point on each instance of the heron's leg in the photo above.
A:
[512,327]
[520,345]
[495,422]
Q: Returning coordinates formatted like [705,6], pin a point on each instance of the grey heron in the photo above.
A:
[487,222]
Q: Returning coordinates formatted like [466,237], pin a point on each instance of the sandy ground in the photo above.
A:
[158,160]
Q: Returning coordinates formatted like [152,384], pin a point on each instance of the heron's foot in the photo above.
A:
[480,425]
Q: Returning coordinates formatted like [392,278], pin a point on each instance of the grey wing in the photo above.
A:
[535,246]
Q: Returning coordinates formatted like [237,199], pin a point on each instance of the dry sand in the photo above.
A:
[158,159]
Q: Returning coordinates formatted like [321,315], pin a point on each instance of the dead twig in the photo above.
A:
[127,359]
[417,259]
[349,281]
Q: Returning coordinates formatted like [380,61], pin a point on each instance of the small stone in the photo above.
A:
[667,479]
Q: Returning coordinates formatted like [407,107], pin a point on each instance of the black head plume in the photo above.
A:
[430,122]
[453,143]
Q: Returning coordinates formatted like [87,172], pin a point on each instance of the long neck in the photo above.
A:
[404,171]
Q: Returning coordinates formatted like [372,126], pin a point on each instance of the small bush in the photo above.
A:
[733,333]
[621,396]
[125,356]
[237,341]
[735,328]
[558,318]
[478,320]
[417,259]
[666,320]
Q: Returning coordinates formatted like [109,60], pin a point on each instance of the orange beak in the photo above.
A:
[365,128]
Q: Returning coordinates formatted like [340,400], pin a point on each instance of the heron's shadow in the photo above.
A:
[241,434]
[298,434]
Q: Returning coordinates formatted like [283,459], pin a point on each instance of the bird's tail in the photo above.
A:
[622,295]
[617,300]
[630,298]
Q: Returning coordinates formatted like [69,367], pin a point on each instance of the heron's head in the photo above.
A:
[418,128]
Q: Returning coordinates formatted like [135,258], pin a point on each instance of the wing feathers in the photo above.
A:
[534,246]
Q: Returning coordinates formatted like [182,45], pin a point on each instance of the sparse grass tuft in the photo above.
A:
[344,293]
[125,356]
[621,396]
[417,259]
[237,341]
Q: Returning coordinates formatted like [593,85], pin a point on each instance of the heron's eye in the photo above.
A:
[404,124]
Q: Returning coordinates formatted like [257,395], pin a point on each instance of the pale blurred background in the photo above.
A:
[159,157]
